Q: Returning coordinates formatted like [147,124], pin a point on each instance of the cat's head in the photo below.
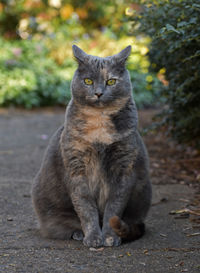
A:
[99,81]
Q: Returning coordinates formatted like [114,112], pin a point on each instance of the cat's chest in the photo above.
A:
[98,127]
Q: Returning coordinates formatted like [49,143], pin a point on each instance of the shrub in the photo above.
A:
[174,27]
[28,77]
[146,89]
[36,69]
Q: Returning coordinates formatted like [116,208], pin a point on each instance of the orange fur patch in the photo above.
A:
[119,227]
[115,222]
[99,127]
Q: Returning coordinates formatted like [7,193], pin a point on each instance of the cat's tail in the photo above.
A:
[126,231]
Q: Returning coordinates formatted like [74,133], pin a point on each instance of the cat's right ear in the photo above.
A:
[79,54]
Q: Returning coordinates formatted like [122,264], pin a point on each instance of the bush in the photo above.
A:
[36,63]
[146,89]
[174,27]
[28,77]
[25,18]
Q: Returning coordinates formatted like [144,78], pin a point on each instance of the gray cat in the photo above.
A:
[94,184]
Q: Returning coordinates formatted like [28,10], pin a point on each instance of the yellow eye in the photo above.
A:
[111,82]
[88,81]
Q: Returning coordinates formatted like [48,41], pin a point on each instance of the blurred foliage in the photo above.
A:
[24,18]
[36,63]
[174,27]
[28,77]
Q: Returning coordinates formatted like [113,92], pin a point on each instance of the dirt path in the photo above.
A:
[171,244]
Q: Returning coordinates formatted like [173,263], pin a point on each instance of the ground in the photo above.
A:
[171,243]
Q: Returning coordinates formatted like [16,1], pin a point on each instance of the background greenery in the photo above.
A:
[36,64]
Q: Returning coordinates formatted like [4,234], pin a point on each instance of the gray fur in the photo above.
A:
[96,165]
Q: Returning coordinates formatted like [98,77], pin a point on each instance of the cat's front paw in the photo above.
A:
[111,240]
[93,240]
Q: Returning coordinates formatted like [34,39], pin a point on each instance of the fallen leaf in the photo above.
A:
[96,249]
[198,177]
[156,165]
[9,152]
[193,234]
[184,200]
[193,212]
[172,212]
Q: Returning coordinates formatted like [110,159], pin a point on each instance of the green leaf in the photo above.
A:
[171,28]
[196,5]
[182,24]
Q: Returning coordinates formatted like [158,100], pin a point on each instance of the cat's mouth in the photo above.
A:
[94,98]
[96,101]
[99,101]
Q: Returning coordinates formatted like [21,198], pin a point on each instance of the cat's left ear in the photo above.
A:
[123,55]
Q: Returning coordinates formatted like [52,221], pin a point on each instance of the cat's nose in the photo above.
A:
[98,93]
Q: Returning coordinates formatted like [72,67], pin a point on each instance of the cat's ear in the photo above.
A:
[123,55]
[79,54]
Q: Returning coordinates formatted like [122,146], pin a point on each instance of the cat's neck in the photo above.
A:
[104,125]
